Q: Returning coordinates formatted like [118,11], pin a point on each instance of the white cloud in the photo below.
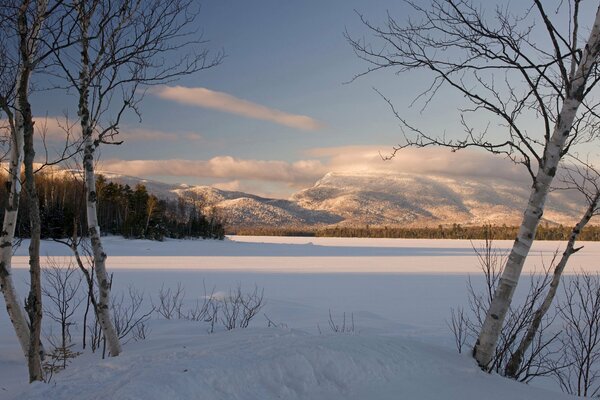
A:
[244,174]
[202,97]
[55,129]
[436,161]
[224,167]
[259,188]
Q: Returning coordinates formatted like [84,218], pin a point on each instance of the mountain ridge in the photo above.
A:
[368,198]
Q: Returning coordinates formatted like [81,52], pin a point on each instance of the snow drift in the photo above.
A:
[182,362]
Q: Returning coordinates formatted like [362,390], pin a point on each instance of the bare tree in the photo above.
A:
[459,325]
[467,50]
[23,51]
[61,289]
[208,307]
[580,311]
[122,47]
[14,307]
[238,308]
[204,310]
[540,358]
[128,316]
[85,263]
[586,182]
[25,23]
[170,302]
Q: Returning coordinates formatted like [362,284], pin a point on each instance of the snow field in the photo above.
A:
[256,364]
[401,347]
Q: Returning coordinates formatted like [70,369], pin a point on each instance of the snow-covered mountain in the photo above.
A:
[244,210]
[237,209]
[373,199]
[401,199]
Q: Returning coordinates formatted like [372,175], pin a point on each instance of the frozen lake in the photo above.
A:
[390,286]
[313,255]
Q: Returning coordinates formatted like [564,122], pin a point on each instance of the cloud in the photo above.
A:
[235,185]
[55,129]
[337,159]
[223,167]
[434,161]
[202,97]
[143,134]
[259,188]
[237,174]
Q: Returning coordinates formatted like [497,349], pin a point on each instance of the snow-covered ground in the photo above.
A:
[398,291]
[262,364]
[310,255]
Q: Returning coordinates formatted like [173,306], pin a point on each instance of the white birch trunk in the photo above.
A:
[488,337]
[12,301]
[14,305]
[103,309]
[514,363]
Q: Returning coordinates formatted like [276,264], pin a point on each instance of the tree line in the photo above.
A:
[131,212]
[457,231]
[454,231]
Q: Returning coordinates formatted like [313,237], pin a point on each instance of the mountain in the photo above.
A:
[373,199]
[245,210]
[237,209]
[418,200]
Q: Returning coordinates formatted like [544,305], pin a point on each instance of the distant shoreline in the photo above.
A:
[456,231]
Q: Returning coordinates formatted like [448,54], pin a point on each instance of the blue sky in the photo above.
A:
[286,60]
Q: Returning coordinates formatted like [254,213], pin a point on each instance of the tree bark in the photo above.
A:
[34,299]
[490,331]
[14,307]
[514,363]
[99,255]
[28,36]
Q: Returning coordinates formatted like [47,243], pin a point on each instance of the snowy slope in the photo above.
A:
[245,211]
[401,199]
[372,199]
[182,363]
[238,209]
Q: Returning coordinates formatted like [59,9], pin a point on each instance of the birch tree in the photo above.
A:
[514,67]
[123,46]
[586,181]
[24,22]
[9,73]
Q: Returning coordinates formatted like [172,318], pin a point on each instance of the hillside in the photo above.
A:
[421,200]
[372,199]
